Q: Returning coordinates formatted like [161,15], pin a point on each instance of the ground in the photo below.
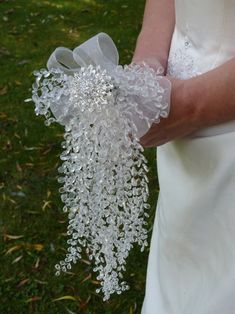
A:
[32,224]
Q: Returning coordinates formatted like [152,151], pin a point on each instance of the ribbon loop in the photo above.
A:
[98,50]
[62,58]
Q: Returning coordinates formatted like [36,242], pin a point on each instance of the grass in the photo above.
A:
[32,224]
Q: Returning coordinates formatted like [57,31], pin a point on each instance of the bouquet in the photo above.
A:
[105,108]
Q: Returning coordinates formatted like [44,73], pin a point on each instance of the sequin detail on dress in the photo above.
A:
[182,63]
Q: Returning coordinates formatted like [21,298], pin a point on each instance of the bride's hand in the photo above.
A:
[182,119]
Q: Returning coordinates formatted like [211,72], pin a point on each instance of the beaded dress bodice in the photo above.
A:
[204,36]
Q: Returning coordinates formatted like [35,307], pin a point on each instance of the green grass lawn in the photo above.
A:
[32,224]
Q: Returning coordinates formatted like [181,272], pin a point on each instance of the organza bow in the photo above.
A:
[105,108]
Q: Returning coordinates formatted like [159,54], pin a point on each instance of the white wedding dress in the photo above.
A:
[191,265]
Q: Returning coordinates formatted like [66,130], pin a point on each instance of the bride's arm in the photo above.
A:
[196,103]
[156,33]
[213,95]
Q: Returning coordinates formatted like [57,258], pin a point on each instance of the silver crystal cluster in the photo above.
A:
[103,171]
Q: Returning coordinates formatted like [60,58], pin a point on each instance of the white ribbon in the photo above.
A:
[98,50]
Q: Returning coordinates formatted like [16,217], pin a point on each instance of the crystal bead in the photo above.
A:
[100,159]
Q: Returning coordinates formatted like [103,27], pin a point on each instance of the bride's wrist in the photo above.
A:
[185,94]
[194,95]
[145,50]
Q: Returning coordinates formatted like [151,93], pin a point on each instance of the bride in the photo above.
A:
[191,265]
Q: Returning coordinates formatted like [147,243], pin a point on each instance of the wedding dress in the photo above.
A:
[191,265]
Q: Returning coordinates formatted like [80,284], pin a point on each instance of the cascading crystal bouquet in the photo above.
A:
[105,109]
